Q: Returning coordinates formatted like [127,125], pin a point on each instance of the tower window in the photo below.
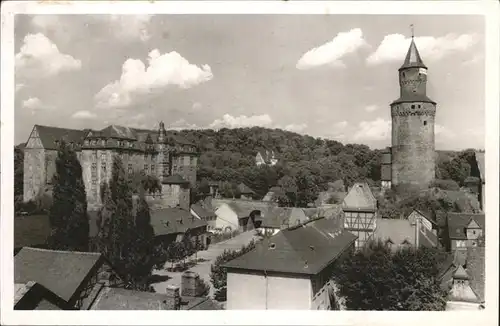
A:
[425,123]
[404,75]
[413,106]
[419,106]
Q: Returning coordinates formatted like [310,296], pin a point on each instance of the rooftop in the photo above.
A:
[277,217]
[62,272]
[307,249]
[201,211]
[359,197]
[457,222]
[31,231]
[396,230]
[245,190]
[413,59]
[174,179]
[123,299]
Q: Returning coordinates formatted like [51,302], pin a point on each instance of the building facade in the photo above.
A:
[158,153]
[412,153]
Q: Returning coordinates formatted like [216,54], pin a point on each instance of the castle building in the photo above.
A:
[160,153]
[412,154]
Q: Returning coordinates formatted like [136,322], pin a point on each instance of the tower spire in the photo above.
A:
[412,31]
[413,58]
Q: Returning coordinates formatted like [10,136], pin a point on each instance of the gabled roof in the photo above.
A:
[476,270]
[62,272]
[278,217]
[398,230]
[175,180]
[267,155]
[413,59]
[31,231]
[457,223]
[201,211]
[34,296]
[50,135]
[273,193]
[119,132]
[359,197]
[307,249]
[173,221]
[244,189]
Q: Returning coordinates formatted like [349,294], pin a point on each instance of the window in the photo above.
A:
[103,142]
[474,243]
[412,106]
[474,232]
[103,167]
[130,170]
[103,157]
[146,168]
[425,123]
[152,168]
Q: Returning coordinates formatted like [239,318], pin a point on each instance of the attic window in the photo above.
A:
[272,246]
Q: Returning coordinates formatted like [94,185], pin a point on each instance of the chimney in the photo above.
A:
[173,301]
[189,284]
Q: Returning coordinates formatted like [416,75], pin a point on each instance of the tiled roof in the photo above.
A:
[413,58]
[174,179]
[397,230]
[49,136]
[360,197]
[120,132]
[31,231]
[244,189]
[278,217]
[34,296]
[481,165]
[62,272]
[174,220]
[303,250]
[326,211]
[413,97]
[201,211]
[273,193]
[123,299]
[457,222]
[476,270]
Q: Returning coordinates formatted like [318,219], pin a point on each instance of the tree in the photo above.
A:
[68,213]
[125,236]
[218,274]
[375,278]
[18,171]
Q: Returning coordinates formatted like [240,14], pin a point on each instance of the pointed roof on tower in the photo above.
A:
[413,59]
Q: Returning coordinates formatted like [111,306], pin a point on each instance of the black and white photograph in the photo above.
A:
[280,160]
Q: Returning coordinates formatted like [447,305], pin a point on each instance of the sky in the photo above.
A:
[329,76]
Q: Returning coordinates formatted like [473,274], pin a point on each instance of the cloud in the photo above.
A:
[182,124]
[332,52]
[477,58]
[84,114]
[39,57]
[19,87]
[228,121]
[35,104]
[340,125]
[394,47]
[443,133]
[378,129]
[169,69]
[371,108]
[295,127]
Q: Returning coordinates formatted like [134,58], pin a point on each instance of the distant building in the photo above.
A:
[155,152]
[238,214]
[290,270]
[173,224]
[265,157]
[281,218]
[360,213]
[69,275]
[427,229]
[411,158]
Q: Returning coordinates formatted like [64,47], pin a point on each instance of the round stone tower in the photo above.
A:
[413,116]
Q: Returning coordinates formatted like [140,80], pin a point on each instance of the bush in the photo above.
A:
[204,288]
